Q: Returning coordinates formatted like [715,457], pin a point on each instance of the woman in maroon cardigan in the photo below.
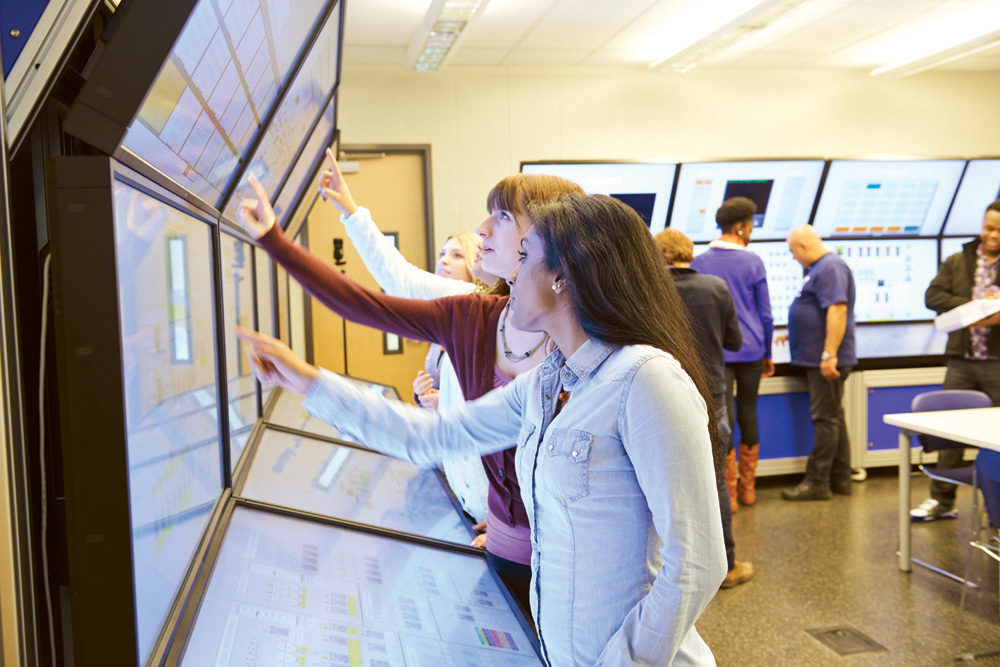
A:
[486,351]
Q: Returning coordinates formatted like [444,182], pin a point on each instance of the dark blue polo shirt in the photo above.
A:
[828,281]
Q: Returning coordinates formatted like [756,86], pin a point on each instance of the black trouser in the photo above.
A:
[746,377]
[517,578]
[830,458]
[981,375]
[726,436]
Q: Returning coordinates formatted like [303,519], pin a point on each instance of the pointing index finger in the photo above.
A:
[257,188]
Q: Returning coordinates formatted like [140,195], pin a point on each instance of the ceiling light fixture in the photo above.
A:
[740,29]
[440,32]
[941,57]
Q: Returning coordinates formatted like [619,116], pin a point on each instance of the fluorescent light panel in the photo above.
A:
[440,32]
[730,34]
[928,61]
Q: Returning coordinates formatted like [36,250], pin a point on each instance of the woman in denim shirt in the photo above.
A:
[616,463]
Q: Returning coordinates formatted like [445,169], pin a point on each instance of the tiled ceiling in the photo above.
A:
[842,34]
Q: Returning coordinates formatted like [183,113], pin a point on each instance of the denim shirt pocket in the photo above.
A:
[565,455]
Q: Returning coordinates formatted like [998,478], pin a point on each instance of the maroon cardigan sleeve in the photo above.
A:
[426,320]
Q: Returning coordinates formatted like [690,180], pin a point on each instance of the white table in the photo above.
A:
[976,428]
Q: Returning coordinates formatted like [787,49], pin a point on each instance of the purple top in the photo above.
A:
[502,539]
[744,275]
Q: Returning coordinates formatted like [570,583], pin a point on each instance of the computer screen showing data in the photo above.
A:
[784,275]
[951,245]
[302,176]
[297,113]
[288,412]
[217,89]
[783,190]
[645,186]
[294,470]
[887,198]
[980,187]
[288,591]
[168,338]
[890,277]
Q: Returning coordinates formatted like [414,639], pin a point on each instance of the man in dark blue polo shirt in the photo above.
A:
[821,333]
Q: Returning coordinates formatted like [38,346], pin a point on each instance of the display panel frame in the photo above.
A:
[902,161]
[94,433]
[654,226]
[192,610]
[825,167]
[239,484]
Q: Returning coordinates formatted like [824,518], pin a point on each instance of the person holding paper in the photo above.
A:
[973,352]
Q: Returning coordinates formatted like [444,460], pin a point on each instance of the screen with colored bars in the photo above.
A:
[783,190]
[900,198]
[345,482]
[218,87]
[294,119]
[164,263]
[949,246]
[980,187]
[890,277]
[646,187]
[288,591]
[784,275]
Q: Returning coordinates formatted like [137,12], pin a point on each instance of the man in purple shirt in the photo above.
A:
[973,352]
[821,331]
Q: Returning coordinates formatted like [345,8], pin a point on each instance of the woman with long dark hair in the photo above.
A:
[614,453]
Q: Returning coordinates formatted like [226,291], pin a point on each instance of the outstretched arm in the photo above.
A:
[387,265]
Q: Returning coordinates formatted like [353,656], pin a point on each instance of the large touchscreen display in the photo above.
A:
[292,592]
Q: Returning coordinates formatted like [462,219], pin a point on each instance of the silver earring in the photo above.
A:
[555,287]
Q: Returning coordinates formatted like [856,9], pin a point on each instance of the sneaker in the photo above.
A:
[742,572]
[859,474]
[930,510]
[806,491]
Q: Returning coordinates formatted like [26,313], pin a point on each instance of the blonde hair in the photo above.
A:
[674,245]
[470,247]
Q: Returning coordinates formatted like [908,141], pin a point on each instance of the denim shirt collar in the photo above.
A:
[583,364]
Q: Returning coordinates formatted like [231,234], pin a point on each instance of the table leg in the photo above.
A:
[904,501]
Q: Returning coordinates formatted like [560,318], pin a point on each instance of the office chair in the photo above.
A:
[947,399]
[984,534]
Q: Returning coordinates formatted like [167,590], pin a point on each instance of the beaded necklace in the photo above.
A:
[506,348]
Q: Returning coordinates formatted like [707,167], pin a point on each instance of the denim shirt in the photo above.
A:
[625,463]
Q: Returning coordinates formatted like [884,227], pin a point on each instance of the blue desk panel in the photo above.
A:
[784,424]
[21,15]
[887,401]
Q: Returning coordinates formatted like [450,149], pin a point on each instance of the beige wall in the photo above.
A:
[481,122]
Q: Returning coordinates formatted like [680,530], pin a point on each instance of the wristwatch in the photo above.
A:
[826,355]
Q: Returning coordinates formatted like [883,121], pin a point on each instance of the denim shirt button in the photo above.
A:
[500,471]
[551,447]
[575,453]
[548,397]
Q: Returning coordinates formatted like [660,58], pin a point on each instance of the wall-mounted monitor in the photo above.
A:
[784,191]
[202,81]
[345,482]
[305,103]
[289,591]
[645,186]
[288,412]
[886,198]
[264,290]
[951,245]
[135,279]
[890,277]
[980,187]
[784,275]
[302,178]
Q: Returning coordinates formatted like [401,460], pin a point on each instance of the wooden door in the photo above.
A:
[392,188]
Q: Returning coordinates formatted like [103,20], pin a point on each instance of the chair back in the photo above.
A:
[988,478]
[946,399]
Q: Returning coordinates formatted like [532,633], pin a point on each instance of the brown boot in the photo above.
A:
[731,479]
[748,474]
[742,571]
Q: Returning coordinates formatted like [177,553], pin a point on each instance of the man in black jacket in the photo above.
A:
[713,315]
[973,352]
